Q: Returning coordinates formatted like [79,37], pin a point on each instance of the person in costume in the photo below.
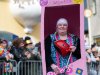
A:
[58,47]
[4,53]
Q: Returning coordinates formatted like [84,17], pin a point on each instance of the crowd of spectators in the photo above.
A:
[93,59]
[20,50]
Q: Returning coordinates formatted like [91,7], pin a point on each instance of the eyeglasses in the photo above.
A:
[62,24]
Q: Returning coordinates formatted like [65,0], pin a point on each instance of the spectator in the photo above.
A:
[31,51]
[89,55]
[39,47]
[57,55]
[28,44]
[18,49]
[4,54]
[94,49]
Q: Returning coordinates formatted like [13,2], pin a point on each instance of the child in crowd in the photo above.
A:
[4,53]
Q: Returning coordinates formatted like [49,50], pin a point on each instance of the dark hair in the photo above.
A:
[27,38]
[93,45]
[1,41]
[16,42]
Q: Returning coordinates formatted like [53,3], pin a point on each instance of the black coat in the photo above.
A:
[18,53]
[48,58]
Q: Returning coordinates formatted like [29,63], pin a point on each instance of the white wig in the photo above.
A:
[62,21]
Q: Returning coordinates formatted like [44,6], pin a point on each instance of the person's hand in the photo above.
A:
[38,54]
[7,57]
[88,60]
[97,59]
[55,68]
[11,56]
[29,55]
[73,48]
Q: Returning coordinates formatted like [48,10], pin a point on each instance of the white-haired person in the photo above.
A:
[59,46]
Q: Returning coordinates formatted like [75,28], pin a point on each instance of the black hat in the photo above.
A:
[27,40]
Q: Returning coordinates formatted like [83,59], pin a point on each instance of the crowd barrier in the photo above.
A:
[8,67]
[93,68]
[35,68]
[30,68]
[21,68]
